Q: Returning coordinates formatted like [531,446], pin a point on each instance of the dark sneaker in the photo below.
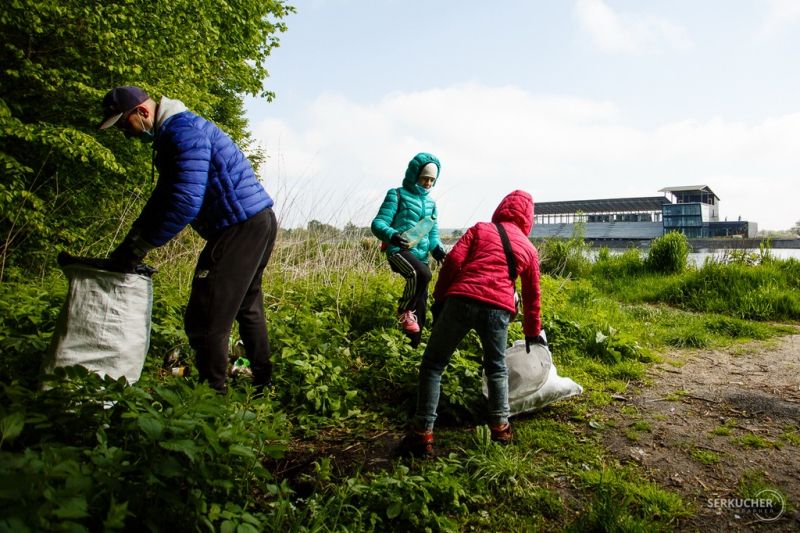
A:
[501,434]
[416,444]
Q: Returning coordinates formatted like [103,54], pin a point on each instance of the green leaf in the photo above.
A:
[151,426]
[242,451]
[185,446]
[394,510]
[115,518]
[74,507]
[11,426]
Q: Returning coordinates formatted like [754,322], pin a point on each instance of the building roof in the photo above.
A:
[688,188]
[609,205]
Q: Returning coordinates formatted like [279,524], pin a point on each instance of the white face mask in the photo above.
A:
[147,136]
[426,183]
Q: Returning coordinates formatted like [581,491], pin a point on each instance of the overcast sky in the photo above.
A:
[567,99]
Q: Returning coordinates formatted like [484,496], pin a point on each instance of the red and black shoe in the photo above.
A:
[417,444]
[501,434]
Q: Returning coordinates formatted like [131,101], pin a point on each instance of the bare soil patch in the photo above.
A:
[706,420]
[347,454]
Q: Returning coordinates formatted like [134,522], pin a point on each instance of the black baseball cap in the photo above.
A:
[119,101]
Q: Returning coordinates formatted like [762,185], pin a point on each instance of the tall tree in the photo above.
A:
[62,182]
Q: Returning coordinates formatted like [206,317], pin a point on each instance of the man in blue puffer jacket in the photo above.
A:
[207,182]
[405,211]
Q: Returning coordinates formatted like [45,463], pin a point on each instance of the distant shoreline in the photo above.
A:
[702,244]
[696,244]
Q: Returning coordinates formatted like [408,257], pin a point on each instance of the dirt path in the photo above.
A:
[706,421]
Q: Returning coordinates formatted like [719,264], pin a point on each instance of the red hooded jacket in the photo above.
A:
[476,267]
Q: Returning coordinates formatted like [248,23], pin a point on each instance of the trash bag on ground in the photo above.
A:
[104,324]
[533,381]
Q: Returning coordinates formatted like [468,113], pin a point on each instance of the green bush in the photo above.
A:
[336,348]
[614,267]
[403,500]
[789,271]
[565,258]
[312,359]
[668,254]
[91,453]
[386,371]
[28,314]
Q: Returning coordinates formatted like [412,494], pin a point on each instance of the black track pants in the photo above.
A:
[415,295]
[227,287]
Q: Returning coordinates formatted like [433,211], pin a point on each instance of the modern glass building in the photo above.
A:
[690,210]
[693,210]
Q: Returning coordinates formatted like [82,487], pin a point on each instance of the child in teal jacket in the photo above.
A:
[402,210]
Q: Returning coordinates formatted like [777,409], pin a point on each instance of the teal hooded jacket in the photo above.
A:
[414,206]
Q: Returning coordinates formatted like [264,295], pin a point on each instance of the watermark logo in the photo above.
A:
[768,505]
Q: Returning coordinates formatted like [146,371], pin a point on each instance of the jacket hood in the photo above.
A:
[517,207]
[167,108]
[415,167]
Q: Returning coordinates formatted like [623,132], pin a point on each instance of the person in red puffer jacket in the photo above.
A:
[475,290]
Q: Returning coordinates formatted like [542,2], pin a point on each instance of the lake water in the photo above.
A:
[698,258]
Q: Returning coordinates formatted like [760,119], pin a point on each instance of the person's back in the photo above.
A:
[477,267]
[205,180]
[475,291]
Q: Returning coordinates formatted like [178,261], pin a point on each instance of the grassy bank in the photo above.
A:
[168,454]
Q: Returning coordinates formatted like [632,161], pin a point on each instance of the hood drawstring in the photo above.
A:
[153,157]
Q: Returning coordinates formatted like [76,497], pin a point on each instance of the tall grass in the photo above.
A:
[565,258]
[323,258]
[754,286]
[765,292]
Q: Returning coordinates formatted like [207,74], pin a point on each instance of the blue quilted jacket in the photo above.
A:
[204,180]
[414,205]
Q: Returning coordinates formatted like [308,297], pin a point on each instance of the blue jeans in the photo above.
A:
[458,316]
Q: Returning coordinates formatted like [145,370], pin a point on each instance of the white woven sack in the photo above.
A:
[533,381]
[555,388]
[527,372]
[104,324]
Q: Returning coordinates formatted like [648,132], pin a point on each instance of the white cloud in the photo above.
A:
[629,33]
[336,163]
[780,14]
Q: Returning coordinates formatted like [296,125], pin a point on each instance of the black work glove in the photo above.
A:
[65,259]
[125,258]
[534,340]
[439,254]
[398,240]
[436,309]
